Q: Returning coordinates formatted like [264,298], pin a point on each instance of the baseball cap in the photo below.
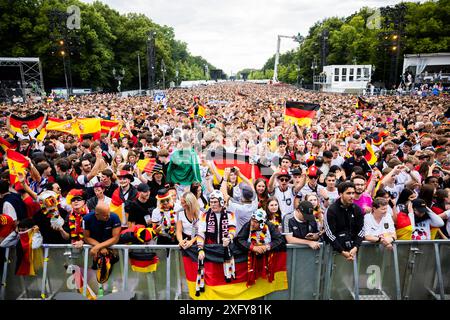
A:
[420,205]
[143,187]
[307,209]
[313,171]
[296,172]
[247,191]
[284,173]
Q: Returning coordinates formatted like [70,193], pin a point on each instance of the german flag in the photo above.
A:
[33,121]
[301,113]
[230,160]
[370,154]
[16,164]
[363,104]
[403,227]
[216,288]
[146,165]
[143,261]
[28,260]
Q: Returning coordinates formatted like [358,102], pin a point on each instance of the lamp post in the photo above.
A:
[63,54]
[151,57]
[118,77]
[313,67]
[139,72]
[163,70]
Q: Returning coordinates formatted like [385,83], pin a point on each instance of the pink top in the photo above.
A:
[365,201]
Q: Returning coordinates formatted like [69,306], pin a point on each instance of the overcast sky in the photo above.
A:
[237,34]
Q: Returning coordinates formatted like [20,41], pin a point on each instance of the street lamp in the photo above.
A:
[163,70]
[314,67]
[63,54]
[118,77]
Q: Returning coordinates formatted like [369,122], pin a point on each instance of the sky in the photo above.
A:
[237,34]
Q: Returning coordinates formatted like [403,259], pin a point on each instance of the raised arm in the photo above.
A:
[42,125]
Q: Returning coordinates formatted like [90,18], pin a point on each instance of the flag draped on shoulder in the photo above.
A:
[33,121]
[16,164]
[214,285]
[300,113]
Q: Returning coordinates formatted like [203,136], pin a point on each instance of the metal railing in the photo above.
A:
[412,270]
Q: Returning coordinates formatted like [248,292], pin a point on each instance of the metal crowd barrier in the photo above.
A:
[412,270]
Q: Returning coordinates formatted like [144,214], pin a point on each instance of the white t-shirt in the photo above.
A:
[372,228]
[338,161]
[395,190]
[307,190]
[189,228]
[285,200]
[157,217]
[82,181]
[242,211]
[30,136]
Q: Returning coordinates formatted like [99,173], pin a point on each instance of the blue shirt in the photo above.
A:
[101,230]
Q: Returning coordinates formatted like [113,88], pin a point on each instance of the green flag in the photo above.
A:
[184,167]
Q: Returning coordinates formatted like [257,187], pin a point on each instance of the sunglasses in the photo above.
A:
[284,179]
[165,201]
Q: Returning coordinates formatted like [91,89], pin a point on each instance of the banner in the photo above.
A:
[229,160]
[216,288]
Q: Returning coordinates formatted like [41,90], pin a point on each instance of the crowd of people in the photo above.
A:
[316,184]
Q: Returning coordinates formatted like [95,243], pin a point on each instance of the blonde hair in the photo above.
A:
[192,203]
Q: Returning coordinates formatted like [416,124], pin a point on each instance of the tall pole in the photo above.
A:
[277,57]
[65,73]
[139,72]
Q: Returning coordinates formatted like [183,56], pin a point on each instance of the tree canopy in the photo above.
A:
[405,28]
[106,40]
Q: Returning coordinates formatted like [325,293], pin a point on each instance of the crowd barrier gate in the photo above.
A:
[412,270]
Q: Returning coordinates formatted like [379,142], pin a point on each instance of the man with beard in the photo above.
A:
[139,210]
[344,223]
[362,199]
[123,195]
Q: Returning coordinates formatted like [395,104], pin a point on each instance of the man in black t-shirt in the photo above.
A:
[300,227]
[140,209]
